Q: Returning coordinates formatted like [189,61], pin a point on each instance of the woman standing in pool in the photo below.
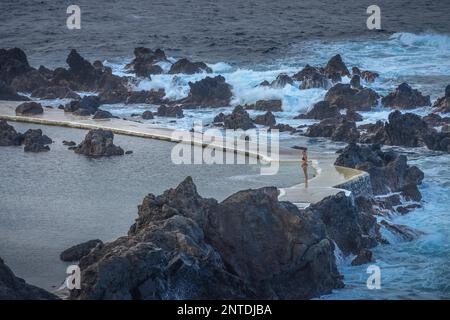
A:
[304,165]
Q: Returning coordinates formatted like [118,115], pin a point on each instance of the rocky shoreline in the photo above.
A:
[184,246]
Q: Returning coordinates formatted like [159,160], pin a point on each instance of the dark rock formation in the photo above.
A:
[187,67]
[265,105]
[408,130]
[69,143]
[102,114]
[35,141]
[404,232]
[405,97]
[144,62]
[129,97]
[8,135]
[238,119]
[183,246]
[369,76]
[363,257]
[78,251]
[267,119]
[8,93]
[336,66]
[389,171]
[352,229]
[29,81]
[55,92]
[13,63]
[435,120]
[281,81]
[14,288]
[167,111]
[147,115]
[98,143]
[344,96]
[283,127]
[352,115]
[88,105]
[312,77]
[320,111]
[208,92]
[355,82]
[29,108]
[337,129]
[443,104]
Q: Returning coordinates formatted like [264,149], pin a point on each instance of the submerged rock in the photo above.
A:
[98,143]
[14,288]
[281,81]
[29,108]
[187,67]
[78,251]
[405,97]
[183,246]
[363,257]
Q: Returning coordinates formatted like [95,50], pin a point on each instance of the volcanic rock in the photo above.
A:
[405,97]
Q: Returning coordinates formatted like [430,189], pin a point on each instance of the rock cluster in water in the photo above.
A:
[33,139]
[98,143]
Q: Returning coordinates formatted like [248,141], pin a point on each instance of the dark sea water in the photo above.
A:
[236,31]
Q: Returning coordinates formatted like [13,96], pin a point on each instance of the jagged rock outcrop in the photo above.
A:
[13,63]
[405,97]
[389,171]
[88,105]
[144,63]
[283,127]
[281,81]
[208,92]
[267,119]
[353,230]
[8,135]
[14,288]
[337,129]
[344,96]
[312,77]
[320,111]
[35,141]
[29,108]
[443,104]
[187,67]
[170,111]
[98,143]
[238,119]
[76,252]
[183,246]
[336,66]
[265,105]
